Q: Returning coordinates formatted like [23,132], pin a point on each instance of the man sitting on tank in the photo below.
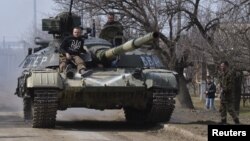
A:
[71,48]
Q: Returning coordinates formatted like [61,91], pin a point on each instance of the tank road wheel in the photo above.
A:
[159,109]
[45,108]
[27,108]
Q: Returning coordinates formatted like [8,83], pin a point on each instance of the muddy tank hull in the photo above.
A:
[150,96]
[145,96]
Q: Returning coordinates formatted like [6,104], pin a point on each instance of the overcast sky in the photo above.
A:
[17,17]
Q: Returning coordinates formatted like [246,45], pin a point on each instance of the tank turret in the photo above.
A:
[109,54]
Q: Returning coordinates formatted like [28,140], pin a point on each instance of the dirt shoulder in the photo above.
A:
[196,121]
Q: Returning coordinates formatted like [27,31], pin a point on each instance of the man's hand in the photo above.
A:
[223,92]
[206,93]
[68,56]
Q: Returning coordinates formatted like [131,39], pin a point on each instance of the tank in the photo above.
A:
[119,77]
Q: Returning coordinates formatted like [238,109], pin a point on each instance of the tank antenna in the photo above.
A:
[70,7]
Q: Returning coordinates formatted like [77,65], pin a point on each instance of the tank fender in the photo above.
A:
[48,79]
[160,79]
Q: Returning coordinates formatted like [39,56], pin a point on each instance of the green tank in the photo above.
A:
[119,77]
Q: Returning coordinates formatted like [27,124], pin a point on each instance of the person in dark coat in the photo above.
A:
[112,31]
[111,21]
[210,94]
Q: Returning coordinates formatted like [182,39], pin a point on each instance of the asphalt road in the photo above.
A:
[86,125]
[89,125]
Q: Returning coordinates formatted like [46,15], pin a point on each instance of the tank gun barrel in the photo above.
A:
[128,46]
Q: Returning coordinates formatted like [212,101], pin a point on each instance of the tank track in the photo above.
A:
[160,110]
[27,108]
[162,106]
[45,108]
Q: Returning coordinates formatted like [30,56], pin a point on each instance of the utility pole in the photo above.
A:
[248,18]
[3,42]
[177,49]
[179,17]
[203,76]
[35,11]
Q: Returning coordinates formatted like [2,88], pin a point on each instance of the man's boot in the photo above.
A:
[70,72]
[84,72]
[237,121]
[223,122]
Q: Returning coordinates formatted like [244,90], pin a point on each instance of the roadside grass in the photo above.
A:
[244,110]
[200,104]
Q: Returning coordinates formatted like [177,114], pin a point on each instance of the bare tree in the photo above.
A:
[141,16]
[199,28]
